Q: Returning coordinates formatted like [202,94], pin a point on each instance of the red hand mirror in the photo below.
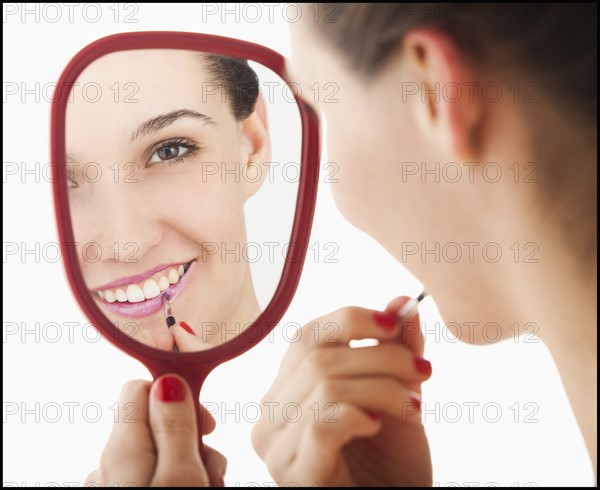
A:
[184,178]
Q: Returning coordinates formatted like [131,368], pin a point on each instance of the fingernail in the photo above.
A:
[416,402]
[170,389]
[409,309]
[415,398]
[385,319]
[372,415]
[422,365]
[187,328]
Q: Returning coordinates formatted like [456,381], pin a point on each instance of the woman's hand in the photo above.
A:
[155,441]
[356,419]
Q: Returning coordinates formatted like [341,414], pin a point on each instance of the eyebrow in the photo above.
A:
[159,122]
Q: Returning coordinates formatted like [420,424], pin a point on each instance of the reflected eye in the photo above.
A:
[172,151]
[71,177]
[168,153]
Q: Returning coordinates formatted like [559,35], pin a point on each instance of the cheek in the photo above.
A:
[208,206]
[208,212]
[347,169]
[350,156]
[365,161]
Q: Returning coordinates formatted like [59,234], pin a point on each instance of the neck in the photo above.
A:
[562,291]
[566,309]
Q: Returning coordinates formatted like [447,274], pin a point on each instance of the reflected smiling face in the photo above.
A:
[150,208]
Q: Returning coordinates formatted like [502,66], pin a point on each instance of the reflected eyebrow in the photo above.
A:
[159,122]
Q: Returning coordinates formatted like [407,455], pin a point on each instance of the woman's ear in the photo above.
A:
[256,148]
[448,103]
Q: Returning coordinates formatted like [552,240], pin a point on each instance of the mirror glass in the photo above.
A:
[182,172]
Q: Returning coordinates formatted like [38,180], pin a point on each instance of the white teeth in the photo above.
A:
[151,289]
[173,275]
[135,294]
[121,295]
[163,283]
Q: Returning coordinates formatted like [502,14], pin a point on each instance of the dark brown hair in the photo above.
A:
[554,44]
[237,79]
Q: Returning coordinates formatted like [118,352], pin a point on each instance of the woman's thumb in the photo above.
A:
[174,427]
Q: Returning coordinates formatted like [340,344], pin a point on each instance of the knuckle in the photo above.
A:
[346,316]
[397,396]
[265,399]
[134,389]
[318,430]
[345,411]
[108,461]
[273,468]
[266,414]
[258,440]
[318,361]
[173,426]
[277,465]
[392,354]
[325,426]
[93,478]
[208,422]
[329,390]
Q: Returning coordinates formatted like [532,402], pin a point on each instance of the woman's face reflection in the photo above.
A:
[158,177]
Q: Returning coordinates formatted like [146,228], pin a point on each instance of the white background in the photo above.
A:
[43,377]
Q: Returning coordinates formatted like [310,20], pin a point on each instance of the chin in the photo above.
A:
[474,322]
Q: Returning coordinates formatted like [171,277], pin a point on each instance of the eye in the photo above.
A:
[168,153]
[172,151]
[71,177]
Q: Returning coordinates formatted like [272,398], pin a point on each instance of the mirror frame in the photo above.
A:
[193,366]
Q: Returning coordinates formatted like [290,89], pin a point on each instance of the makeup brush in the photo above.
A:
[409,309]
[170,319]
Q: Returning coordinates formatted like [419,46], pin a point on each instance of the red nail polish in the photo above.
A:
[170,389]
[416,402]
[385,320]
[187,328]
[422,365]
[372,415]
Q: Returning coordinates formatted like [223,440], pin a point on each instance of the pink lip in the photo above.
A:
[138,278]
[149,306]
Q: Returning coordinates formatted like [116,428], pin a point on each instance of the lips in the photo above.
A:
[144,298]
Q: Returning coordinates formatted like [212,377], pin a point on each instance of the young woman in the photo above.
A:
[486,89]
[147,205]
[421,84]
